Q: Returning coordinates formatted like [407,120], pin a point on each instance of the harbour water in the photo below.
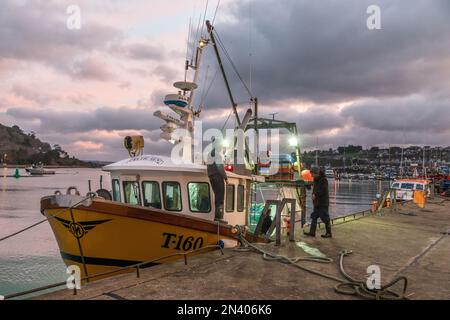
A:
[32,259]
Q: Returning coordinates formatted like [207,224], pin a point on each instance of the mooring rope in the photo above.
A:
[90,196]
[348,286]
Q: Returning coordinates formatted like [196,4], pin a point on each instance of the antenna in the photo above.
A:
[273,115]
[317,155]
[250,54]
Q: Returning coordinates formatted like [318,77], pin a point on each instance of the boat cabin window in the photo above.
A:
[419,186]
[172,196]
[229,203]
[131,192]
[408,186]
[151,194]
[240,198]
[116,190]
[199,197]
[396,185]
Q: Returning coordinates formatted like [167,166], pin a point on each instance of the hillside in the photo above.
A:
[18,147]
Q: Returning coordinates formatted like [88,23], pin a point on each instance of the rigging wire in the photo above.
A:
[188,39]
[222,46]
[187,48]
[210,85]
[250,54]
[204,17]
[215,13]
[226,122]
[196,36]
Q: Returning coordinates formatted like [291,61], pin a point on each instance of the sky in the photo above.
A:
[313,62]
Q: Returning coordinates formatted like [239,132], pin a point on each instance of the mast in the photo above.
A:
[401,164]
[317,155]
[222,70]
[255,121]
[423,164]
[239,124]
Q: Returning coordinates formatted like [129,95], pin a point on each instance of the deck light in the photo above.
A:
[293,142]
[202,43]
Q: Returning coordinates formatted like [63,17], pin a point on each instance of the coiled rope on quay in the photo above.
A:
[347,286]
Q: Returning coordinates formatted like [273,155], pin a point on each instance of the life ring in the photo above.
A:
[105,194]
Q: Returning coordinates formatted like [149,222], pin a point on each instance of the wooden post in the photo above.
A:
[292,224]
[278,225]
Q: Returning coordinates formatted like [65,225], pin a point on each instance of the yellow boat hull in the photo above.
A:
[107,236]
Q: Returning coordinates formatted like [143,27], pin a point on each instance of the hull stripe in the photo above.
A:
[104,261]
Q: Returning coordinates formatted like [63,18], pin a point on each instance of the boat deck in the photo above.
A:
[412,242]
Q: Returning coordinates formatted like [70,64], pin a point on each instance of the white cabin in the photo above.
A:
[158,182]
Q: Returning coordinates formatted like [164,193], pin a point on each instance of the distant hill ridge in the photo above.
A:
[18,147]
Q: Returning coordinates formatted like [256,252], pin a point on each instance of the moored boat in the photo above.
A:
[161,207]
[405,188]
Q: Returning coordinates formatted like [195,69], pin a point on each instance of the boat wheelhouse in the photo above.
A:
[157,182]
[405,188]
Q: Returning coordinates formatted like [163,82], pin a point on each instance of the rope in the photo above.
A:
[222,46]
[215,12]
[42,221]
[225,124]
[209,87]
[204,18]
[348,286]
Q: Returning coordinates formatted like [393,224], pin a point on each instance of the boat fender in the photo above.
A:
[69,191]
[221,244]
[105,194]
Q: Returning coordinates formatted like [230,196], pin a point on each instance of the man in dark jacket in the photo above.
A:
[320,198]
[217,177]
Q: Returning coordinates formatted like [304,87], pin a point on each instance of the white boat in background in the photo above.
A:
[405,188]
[38,170]
[329,173]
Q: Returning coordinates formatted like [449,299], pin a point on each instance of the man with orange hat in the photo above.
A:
[321,202]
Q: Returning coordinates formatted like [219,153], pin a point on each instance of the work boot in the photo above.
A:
[312,230]
[219,215]
[328,230]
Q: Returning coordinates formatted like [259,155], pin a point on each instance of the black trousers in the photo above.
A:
[218,186]
[322,213]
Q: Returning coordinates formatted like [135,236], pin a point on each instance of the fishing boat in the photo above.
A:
[159,206]
[38,170]
[405,188]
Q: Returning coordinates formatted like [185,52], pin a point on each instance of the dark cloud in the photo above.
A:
[139,51]
[322,51]
[409,114]
[393,82]
[36,31]
[103,118]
